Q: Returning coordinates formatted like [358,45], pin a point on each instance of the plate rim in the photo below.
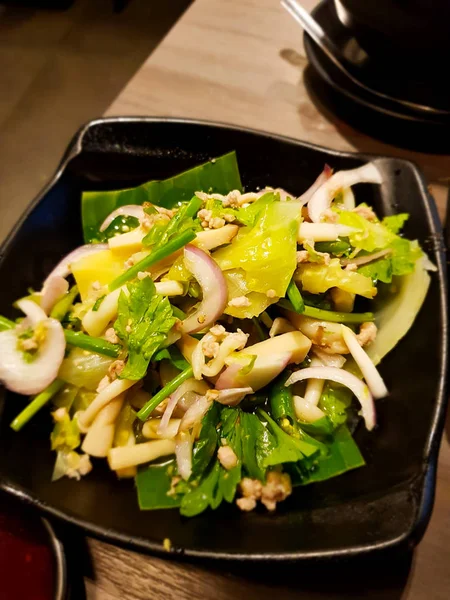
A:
[427,483]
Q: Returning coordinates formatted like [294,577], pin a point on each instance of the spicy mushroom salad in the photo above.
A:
[216,345]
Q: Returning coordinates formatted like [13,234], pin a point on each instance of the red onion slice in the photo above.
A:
[323,196]
[232,397]
[357,386]
[323,177]
[214,288]
[32,377]
[33,311]
[62,269]
[363,260]
[183,452]
[130,210]
[195,413]
[368,369]
[52,291]
[190,385]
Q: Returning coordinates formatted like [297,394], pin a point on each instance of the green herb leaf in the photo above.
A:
[206,494]
[206,444]
[175,357]
[153,486]
[250,214]
[143,322]
[286,448]
[121,224]
[97,303]
[219,176]
[343,455]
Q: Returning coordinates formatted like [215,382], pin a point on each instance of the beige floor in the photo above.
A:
[58,70]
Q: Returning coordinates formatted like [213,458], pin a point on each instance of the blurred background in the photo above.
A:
[62,62]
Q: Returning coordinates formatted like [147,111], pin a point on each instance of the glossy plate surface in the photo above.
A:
[384,505]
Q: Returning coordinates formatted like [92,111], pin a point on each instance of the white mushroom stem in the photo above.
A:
[95,322]
[110,392]
[358,387]
[323,197]
[183,452]
[151,429]
[169,288]
[368,369]
[305,411]
[280,325]
[314,387]
[130,456]
[99,439]
[322,232]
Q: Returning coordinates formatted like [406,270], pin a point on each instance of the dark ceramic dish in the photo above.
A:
[384,505]
[380,119]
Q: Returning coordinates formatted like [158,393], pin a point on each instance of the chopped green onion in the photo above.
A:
[178,313]
[156,255]
[329,315]
[62,307]
[6,323]
[338,317]
[168,389]
[293,293]
[261,333]
[81,340]
[36,404]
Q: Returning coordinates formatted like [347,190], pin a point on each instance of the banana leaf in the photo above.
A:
[220,176]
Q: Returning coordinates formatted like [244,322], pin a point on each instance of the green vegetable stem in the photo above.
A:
[81,340]
[168,389]
[282,406]
[329,315]
[63,306]
[293,293]
[36,404]
[172,246]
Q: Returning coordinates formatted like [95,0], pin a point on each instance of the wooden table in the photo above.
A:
[226,60]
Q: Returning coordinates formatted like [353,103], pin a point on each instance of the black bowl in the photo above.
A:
[384,505]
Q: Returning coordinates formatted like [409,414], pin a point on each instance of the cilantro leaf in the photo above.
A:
[174,355]
[144,320]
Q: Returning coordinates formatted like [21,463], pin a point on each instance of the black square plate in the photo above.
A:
[386,504]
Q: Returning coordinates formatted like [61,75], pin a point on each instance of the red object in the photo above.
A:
[27,565]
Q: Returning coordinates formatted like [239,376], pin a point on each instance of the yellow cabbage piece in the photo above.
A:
[266,252]
[318,278]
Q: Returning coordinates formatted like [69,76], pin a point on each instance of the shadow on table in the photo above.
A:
[382,577]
